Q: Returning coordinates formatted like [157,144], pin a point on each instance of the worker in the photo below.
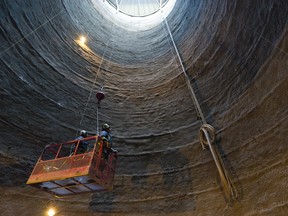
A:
[83,145]
[107,141]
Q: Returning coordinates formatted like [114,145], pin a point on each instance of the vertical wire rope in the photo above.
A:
[97,124]
[193,96]
[229,188]
[96,76]
[92,88]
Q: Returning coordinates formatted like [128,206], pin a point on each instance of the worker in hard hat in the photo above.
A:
[107,141]
[83,145]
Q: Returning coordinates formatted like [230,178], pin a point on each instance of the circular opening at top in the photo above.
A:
[135,14]
[137,8]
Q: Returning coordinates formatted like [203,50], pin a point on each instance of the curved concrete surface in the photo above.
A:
[235,56]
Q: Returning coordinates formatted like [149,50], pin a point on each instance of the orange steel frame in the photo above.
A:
[61,173]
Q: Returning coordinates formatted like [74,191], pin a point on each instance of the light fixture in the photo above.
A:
[82,40]
[51,212]
[51,207]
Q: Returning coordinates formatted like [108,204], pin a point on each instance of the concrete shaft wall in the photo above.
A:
[235,56]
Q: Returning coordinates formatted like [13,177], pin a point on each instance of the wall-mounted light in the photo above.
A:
[51,212]
[51,208]
[82,40]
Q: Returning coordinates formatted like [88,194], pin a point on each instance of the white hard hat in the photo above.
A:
[83,132]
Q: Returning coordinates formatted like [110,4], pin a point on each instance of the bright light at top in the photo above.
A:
[137,8]
[135,14]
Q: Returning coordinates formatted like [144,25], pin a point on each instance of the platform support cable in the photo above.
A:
[205,138]
[97,126]
[92,88]
[94,83]
[99,99]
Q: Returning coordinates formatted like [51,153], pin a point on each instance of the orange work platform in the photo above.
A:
[63,172]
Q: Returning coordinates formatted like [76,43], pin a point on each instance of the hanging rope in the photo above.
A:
[207,132]
[193,96]
[207,137]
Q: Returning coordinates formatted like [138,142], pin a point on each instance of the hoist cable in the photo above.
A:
[97,127]
[97,110]
[92,88]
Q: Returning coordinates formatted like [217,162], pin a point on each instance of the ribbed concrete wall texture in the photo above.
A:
[233,54]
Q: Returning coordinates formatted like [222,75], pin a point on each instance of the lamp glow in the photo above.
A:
[51,212]
[82,40]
